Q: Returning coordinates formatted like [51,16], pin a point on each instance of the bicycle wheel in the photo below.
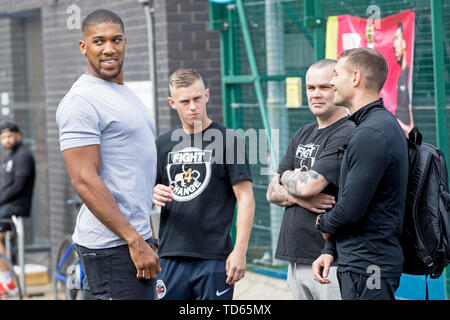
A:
[65,260]
[13,275]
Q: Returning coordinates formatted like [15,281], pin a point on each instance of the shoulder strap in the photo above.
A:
[415,136]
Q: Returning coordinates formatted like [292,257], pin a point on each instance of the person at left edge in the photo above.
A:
[198,186]
[107,139]
[16,193]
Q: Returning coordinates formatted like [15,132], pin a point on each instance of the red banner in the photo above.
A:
[393,37]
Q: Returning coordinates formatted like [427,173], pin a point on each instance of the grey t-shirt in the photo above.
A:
[96,111]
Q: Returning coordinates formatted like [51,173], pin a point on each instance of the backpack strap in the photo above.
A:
[421,249]
[445,196]
[415,136]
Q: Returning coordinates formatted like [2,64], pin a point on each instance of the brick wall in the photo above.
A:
[6,66]
[183,39]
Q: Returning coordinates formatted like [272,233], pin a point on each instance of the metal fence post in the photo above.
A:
[439,94]
[313,19]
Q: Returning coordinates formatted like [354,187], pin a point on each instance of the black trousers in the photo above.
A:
[355,286]
[110,274]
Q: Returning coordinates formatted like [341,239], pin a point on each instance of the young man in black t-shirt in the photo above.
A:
[16,193]
[202,172]
[306,184]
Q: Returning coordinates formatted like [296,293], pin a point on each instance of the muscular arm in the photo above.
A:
[83,166]
[303,184]
[236,261]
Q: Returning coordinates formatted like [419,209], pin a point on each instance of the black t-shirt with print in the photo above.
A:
[320,150]
[202,168]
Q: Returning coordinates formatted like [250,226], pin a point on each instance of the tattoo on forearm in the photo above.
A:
[279,195]
[296,181]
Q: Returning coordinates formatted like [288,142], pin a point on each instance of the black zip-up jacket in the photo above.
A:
[366,222]
[18,180]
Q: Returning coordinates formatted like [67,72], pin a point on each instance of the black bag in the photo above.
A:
[426,228]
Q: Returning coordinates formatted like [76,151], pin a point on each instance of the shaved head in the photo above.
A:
[323,63]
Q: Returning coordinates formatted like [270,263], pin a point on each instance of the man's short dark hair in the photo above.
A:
[101,16]
[9,126]
[372,65]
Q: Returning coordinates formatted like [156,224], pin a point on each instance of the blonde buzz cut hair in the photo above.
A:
[183,78]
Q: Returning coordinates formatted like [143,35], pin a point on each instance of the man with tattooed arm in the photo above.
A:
[306,184]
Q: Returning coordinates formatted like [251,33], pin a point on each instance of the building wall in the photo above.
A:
[182,39]
[6,66]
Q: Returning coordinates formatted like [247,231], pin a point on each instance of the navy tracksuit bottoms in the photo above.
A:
[192,279]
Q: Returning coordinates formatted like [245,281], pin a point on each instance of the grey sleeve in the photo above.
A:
[78,123]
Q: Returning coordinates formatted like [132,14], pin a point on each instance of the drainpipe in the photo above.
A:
[276,99]
[148,9]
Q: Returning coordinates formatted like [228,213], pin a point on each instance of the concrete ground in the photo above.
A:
[260,287]
[252,287]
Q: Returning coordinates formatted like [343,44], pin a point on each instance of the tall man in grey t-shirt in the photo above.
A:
[107,139]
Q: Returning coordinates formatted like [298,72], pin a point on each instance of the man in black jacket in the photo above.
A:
[16,192]
[363,229]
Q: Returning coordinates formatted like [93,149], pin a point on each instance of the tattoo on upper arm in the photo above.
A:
[313,174]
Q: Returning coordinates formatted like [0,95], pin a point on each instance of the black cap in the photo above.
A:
[12,127]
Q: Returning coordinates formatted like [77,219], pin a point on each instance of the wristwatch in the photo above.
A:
[318,221]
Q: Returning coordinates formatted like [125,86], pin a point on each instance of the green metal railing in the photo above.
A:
[439,81]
